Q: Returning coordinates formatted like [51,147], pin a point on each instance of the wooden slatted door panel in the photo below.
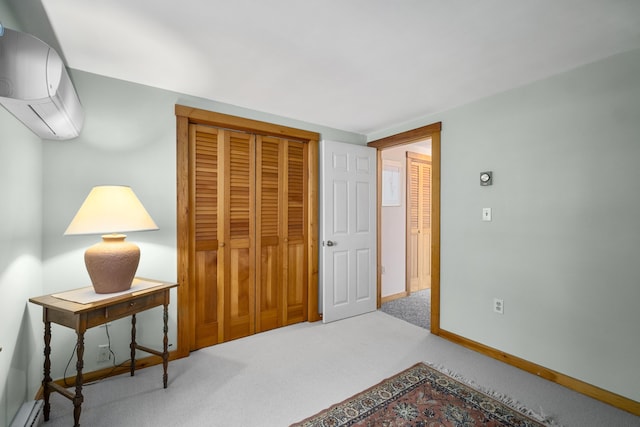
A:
[418,222]
[238,228]
[249,196]
[413,178]
[425,229]
[294,266]
[269,196]
[203,151]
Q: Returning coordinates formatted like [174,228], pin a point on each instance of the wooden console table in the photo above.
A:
[143,295]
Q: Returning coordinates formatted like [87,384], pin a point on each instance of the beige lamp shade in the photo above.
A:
[111,210]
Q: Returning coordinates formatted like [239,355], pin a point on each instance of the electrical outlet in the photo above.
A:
[498,305]
[103,353]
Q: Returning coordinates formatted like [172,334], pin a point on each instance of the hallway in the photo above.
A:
[415,309]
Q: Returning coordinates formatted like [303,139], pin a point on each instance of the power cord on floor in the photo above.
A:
[64,375]
[112,356]
[106,329]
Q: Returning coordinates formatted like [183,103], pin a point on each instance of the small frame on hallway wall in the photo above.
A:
[391,190]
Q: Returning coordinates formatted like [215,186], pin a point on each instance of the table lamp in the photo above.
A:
[111,210]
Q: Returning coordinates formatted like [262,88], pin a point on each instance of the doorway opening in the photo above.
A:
[406,232]
[400,255]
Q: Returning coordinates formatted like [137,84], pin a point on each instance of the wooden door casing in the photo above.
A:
[408,137]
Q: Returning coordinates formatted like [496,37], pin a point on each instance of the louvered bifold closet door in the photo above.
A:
[238,228]
[281,290]
[269,187]
[295,250]
[249,267]
[418,221]
[203,151]
[426,224]
[413,232]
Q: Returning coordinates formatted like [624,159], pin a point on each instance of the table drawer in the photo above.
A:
[124,309]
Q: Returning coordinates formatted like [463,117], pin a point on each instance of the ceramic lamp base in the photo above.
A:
[112,264]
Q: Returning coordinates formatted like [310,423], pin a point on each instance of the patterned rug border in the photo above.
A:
[505,400]
[500,397]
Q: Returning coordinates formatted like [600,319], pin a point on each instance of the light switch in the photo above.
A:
[486,214]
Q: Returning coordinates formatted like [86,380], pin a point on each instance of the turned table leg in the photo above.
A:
[47,369]
[77,400]
[165,347]
[133,344]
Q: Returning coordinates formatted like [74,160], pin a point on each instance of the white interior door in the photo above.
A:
[348,230]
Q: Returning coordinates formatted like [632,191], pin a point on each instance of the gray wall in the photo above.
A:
[563,249]
[20,264]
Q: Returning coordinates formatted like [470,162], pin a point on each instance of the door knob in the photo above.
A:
[329,243]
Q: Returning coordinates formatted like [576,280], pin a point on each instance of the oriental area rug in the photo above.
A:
[423,396]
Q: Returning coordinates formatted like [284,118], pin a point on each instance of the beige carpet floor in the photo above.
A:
[283,376]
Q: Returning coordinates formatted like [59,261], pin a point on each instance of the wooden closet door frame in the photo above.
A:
[188,115]
[429,131]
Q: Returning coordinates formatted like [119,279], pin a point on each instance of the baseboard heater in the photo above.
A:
[30,415]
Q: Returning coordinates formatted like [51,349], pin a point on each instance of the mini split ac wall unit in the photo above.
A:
[35,87]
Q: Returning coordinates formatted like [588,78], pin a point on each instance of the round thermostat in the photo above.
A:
[486,178]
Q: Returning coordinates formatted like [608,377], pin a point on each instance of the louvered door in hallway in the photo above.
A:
[248,251]
[418,221]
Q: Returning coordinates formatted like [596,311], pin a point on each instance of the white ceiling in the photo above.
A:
[356,65]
